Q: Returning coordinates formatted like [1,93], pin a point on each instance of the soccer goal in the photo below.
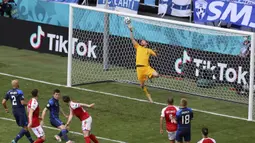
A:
[195,59]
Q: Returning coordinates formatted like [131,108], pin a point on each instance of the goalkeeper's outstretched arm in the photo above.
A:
[132,36]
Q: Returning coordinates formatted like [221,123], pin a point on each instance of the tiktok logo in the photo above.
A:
[36,38]
[58,43]
[180,61]
[221,71]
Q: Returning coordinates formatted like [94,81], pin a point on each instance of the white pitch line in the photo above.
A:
[117,95]
[76,133]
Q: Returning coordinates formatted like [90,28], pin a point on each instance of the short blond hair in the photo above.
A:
[15,83]
[184,102]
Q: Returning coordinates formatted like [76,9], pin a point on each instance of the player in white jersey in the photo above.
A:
[205,138]
[169,114]
[77,110]
[34,119]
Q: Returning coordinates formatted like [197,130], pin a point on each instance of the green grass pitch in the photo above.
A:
[113,117]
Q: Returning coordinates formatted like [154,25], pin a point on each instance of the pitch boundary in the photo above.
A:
[117,95]
[76,133]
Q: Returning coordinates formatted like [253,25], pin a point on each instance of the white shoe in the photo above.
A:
[58,138]
[70,141]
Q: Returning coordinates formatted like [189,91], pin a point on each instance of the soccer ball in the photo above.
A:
[127,20]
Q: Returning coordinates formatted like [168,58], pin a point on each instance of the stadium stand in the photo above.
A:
[9,8]
[5,8]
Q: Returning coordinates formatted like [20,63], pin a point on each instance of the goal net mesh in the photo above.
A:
[190,60]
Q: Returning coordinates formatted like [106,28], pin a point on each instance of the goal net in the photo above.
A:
[193,59]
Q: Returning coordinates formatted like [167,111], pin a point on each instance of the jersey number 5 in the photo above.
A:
[14,101]
[186,119]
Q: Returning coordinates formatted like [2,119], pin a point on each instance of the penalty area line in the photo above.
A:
[117,95]
[76,133]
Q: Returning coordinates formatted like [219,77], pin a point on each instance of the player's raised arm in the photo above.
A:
[135,43]
[87,105]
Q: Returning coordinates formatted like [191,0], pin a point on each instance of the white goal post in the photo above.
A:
[100,51]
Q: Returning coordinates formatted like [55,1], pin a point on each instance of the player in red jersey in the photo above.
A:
[33,117]
[205,138]
[169,113]
[77,110]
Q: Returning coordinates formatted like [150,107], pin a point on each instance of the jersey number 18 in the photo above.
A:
[186,119]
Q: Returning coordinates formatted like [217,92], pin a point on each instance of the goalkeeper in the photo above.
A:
[143,69]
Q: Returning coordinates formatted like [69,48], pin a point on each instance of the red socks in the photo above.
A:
[93,138]
[87,139]
[39,140]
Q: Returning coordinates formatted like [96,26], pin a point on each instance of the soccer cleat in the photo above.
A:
[70,141]
[58,138]
[13,141]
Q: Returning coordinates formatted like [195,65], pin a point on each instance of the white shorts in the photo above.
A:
[38,131]
[86,124]
[171,135]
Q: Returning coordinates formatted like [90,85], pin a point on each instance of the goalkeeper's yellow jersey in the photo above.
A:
[143,55]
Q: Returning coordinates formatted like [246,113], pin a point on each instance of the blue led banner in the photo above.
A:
[236,12]
[65,1]
[129,6]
